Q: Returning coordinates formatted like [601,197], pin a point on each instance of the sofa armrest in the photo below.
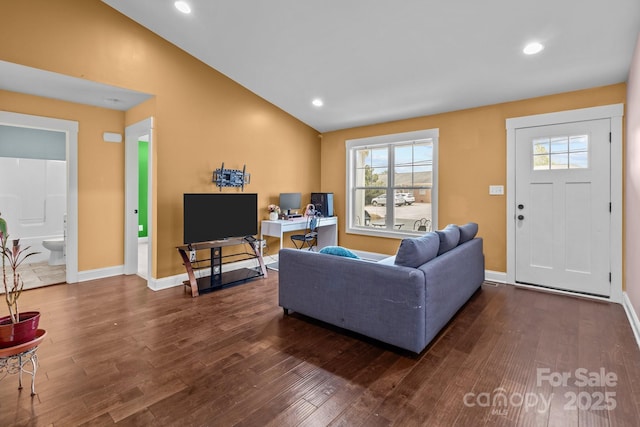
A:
[452,278]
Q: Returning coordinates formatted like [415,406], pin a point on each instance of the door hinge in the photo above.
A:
[609,277]
[609,206]
[609,137]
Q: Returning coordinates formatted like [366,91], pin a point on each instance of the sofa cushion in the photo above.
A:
[449,238]
[338,251]
[415,251]
[467,232]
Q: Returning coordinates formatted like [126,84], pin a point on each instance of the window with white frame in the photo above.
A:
[391,184]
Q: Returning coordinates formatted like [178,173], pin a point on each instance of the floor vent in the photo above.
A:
[494,284]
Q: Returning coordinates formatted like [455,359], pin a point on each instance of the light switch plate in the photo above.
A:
[496,190]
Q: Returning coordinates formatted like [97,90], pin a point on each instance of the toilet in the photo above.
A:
[56,246]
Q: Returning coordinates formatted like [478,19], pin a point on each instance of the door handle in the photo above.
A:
[520,217]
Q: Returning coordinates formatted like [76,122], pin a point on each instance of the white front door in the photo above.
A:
[562,213]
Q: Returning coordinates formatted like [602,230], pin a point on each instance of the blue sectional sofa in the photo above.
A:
[404,300]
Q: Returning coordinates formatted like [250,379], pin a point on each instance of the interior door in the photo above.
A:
[133,134]
[562,214]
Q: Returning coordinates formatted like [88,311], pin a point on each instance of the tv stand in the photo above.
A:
[217,279]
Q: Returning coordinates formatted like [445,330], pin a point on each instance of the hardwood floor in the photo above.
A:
[118,353]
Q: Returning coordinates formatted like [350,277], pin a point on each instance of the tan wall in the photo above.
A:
[472,156]
[100,175]
[201,118]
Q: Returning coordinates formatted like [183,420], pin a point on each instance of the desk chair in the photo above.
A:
[367,219]
[310,237]
[423,224]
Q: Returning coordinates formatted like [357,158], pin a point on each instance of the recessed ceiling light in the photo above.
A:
[317,102]
[182,6]
[533,48]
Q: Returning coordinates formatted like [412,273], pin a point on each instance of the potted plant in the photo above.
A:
[16,328]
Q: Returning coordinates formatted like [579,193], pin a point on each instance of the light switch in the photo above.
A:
[496,190]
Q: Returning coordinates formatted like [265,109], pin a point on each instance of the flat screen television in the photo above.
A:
[217,216]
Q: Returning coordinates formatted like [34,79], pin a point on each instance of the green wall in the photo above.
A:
[143,184]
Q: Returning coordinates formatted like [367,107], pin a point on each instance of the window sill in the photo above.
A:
[379,232]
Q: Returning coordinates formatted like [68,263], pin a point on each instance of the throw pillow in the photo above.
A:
[338,251]
[449,238]
[467,232]
[413,252]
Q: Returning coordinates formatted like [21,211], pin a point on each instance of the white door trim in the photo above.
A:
[613,112]
[70,128]
[132,134]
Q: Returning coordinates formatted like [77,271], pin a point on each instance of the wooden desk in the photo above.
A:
[327,229]
[14,359]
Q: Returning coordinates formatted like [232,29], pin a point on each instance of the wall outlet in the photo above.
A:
[496,190]
[192,256]
[263,243]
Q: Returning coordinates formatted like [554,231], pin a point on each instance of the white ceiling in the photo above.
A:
[373,61]
[32,81]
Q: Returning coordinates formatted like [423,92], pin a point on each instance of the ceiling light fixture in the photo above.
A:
[317,102]
[533,48]
[182,6]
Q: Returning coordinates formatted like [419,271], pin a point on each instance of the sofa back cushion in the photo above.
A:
[467,232]
[449,238]
[415,251]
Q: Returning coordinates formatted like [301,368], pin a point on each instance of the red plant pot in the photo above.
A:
[12,334]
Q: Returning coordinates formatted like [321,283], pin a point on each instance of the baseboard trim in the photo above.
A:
[100,273]
[495,276]
[632,316]
[166,282]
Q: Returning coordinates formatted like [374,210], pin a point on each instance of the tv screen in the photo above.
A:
[211,216]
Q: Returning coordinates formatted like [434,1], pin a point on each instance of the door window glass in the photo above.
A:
[561,152]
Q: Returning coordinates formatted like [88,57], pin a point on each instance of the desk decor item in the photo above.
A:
[274,212]
[16,328]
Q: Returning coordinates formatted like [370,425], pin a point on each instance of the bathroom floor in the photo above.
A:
[42,274]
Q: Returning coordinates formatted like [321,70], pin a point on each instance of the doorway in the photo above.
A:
[70,130]
[138,246]
[564,201]
[562,206]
